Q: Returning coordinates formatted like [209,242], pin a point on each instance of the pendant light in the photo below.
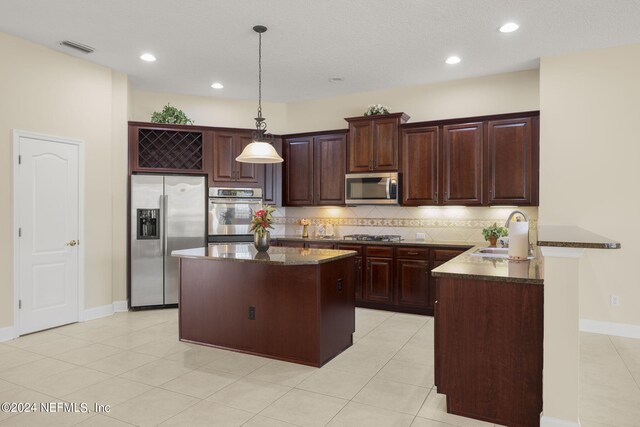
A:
[261,149]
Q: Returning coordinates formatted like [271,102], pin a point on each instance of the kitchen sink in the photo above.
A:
[493,253]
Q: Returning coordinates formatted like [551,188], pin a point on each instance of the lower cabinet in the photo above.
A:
[391,277]
[487,334]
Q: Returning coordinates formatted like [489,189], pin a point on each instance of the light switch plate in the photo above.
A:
[421,236]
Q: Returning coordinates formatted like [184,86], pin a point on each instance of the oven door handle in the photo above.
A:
[234,201]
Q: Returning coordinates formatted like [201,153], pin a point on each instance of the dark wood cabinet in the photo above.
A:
[166,148]
[379,280]
[391,277]
[271,178]
[463,164]
[512,161]
[298,171]
[412,277]
[487,334]
[330,153]
[419,152]
[314,170]
[358,265]
[373,142]
[226,170]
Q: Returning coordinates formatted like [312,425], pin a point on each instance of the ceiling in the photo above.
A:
[370,44]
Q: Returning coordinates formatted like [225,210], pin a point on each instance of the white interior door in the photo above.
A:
[47,195]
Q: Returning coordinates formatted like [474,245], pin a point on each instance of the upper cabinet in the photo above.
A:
[298,171]
[419,152]
[314,169]
[488,161]
[226,170]
[373,142]
[270,177]
[166,148]
[462,167]
[512,161]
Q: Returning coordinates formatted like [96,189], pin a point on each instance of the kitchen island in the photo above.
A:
[290,304]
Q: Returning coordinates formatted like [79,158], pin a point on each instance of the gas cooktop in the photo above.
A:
[374,237]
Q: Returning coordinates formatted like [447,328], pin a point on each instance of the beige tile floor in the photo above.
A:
[134,363]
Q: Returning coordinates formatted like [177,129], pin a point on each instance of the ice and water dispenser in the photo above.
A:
[148,224]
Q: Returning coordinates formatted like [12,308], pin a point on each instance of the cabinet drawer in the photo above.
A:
[320,245]
[357,248]
[290,244]
[446,254]
[412,253]
[380,251]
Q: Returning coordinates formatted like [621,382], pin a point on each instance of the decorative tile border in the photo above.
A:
[398,222]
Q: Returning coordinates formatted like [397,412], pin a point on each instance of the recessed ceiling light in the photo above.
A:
[217,85]
[453,60]
[147,57]
[509,27]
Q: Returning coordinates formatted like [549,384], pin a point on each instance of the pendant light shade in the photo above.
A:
[261,149]
[259,152]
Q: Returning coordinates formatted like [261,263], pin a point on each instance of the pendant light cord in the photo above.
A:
[260,75]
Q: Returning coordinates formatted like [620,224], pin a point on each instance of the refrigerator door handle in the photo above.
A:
[165,242]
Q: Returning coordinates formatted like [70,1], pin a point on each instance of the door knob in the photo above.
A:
[72,243]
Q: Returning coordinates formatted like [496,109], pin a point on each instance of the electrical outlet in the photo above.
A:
[252,313]
[615,301]
[421,236]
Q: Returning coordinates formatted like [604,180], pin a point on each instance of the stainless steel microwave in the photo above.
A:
[372,189]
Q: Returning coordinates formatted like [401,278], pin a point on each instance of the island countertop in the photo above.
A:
[467,266]
[243,252]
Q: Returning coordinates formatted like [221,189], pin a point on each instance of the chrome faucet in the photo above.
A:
[506,224]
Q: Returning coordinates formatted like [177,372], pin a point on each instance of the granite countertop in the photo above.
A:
[408,242]
[467,266]
[573,237]
[244,252]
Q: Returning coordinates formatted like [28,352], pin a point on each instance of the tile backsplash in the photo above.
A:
[437,223]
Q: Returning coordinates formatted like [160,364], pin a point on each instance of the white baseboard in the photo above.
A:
[556,422]
[97,312]
[610,328]
[120,306]
[7,333]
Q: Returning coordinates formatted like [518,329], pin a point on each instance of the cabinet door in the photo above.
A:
[412,281]
[359,273]
[329,167]
[298,165]
[223,157]
[271,179]
[462,146]
[420,166]
[511,165]
[360,146]
[245,172]
[379,283]
[385,144]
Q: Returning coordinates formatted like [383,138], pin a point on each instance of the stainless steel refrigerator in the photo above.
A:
[168,212]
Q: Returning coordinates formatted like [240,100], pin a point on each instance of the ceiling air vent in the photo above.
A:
[78,46]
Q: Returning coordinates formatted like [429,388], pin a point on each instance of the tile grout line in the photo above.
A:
[624,362]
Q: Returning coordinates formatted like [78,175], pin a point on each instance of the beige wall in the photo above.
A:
[500,93]
[51,93]
[589,172]
[211,111]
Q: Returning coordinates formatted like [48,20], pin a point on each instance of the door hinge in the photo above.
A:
[19,159]
[19,231]
[19,303]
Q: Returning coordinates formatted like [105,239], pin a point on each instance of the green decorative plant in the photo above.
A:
[494,231]
[171,115]
[376,109]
